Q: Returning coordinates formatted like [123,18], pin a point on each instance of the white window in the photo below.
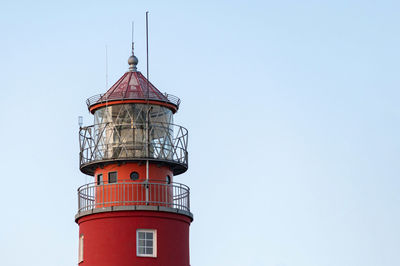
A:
[80,253]
[146,243]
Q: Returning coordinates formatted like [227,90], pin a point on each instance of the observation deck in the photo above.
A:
[134,195]
[109,142]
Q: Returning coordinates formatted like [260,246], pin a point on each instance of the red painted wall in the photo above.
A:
[110,238]
[133,191]
[124,171]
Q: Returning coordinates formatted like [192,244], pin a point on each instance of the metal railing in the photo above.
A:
[109,141]
[133,193]
[167,98]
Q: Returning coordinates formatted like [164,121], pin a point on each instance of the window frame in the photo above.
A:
[116,177]
[154,231]
[134,173]
[99,179]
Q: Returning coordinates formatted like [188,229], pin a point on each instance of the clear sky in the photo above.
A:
[291,106]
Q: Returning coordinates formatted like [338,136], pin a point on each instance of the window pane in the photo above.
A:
[149,243]
[142,243]
[141,251]
[149,235]
[134,176]
[141,235]
[149,251]
[112,177]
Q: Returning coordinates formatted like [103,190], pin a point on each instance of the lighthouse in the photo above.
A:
[133,212]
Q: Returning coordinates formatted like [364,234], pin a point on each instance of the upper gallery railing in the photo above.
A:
[134,141]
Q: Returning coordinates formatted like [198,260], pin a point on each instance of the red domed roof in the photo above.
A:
[133,86]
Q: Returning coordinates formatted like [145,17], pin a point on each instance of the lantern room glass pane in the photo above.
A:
[133,131]
[132,113]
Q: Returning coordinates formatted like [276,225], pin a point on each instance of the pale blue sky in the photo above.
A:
[292,112]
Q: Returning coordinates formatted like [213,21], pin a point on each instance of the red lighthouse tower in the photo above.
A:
[133,213]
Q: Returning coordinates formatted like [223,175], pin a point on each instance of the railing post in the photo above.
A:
[79,202]
[147,192]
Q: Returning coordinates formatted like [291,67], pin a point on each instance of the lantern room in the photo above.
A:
[133,121]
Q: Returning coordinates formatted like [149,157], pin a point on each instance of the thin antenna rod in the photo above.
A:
[106,68]
[133,31]
[147,100]
[147,48]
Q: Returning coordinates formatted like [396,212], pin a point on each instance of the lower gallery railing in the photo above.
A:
[130,193]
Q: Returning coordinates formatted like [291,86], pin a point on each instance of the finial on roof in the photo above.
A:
[133,61]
